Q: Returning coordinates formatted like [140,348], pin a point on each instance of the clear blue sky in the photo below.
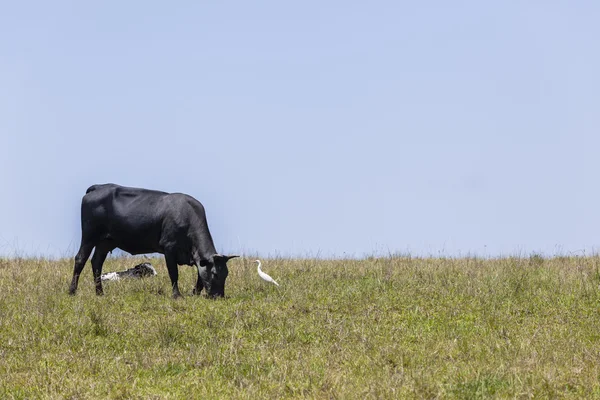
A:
[332,128]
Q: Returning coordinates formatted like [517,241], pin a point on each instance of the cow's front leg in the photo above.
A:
[173,274]
[199,286]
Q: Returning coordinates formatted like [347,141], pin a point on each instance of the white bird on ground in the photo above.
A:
[263,275]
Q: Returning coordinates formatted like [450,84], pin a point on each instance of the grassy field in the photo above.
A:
[395,327]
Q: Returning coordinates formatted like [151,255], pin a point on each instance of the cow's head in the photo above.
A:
[214,274]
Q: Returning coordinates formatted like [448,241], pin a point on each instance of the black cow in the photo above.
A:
[142,221]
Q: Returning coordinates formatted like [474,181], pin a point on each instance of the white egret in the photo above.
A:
[263,275]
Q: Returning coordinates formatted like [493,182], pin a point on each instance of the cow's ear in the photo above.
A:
[230,257]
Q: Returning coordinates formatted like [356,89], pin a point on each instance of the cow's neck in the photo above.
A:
[204,248]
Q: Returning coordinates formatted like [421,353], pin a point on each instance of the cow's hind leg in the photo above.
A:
[80,259]
[173,273]
[97,261]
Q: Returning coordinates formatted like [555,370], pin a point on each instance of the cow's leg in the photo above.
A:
[199,285]
[80,259]
[97,261]
[173,273]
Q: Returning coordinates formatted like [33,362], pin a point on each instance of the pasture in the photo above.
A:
[396,327]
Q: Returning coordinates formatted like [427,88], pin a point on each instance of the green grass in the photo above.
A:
[395,327]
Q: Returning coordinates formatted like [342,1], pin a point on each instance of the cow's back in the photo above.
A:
[130,218]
